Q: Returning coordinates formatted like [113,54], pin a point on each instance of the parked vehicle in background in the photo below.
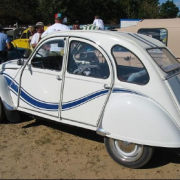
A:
[23,41]
[110,27]
[124,86]
[14,33]
[13,53]
[5,29]
[164,30]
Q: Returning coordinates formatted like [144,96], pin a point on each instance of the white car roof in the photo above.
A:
[102,37]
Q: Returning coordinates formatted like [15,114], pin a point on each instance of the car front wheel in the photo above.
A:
[128,154]
[2,115]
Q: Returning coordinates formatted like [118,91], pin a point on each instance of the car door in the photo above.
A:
[87,85]
[41,79]
[23,42]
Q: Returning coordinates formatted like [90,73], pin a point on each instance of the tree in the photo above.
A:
[148,9]
[169,10]
[139,9]
[48,8]
[111,11]
[17,11]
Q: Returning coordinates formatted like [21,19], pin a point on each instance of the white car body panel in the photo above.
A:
[136,126]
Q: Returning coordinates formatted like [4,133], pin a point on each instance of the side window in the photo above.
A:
[129,68]
[49,56]
[24,36]
[160,34]
[86,60]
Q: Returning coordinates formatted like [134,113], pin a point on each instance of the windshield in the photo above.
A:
[165,60]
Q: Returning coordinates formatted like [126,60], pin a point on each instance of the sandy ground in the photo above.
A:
[42,150]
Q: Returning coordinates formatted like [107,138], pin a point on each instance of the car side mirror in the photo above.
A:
[27,53]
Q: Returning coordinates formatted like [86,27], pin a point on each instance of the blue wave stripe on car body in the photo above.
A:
[28,98]
[83,100]
[118,90]
[49,106]
[13,85]
[36,103]
[39,104]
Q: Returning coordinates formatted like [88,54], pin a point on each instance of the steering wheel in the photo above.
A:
[91,70]
[39,61]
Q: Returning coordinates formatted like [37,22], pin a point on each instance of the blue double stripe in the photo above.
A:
[83,100]
[49,106]
[27,98]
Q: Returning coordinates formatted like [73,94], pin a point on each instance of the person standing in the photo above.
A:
[76,26]
[32,31]
[98,22]
[58,26]
[5,45]
[37,36]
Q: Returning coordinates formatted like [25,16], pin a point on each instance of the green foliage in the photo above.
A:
[111,11]
[47,9]
[149,9]
[17,10]
[169,10]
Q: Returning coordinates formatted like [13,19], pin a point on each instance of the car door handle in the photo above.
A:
[58,78]
[107,86]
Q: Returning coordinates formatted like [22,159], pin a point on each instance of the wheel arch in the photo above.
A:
[139,120]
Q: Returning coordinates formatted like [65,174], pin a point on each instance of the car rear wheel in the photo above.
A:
[128,154]
[2,114]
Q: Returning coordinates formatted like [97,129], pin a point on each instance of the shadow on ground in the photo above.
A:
[161,156]
[80,132]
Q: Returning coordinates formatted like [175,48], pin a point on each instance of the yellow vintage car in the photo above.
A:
[23,41]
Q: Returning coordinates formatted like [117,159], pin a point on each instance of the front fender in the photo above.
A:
[138,119]
[9,108]
[5,94]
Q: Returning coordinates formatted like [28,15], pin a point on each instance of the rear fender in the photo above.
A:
[138,119]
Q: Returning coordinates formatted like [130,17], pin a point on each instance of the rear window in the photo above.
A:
[165,60]
[130,69]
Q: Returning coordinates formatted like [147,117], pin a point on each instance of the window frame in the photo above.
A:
[80,41]
[50,41]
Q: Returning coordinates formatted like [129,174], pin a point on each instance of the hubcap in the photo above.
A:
[127,151]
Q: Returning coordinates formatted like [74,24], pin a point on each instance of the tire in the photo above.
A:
[128,154]
[2,114]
